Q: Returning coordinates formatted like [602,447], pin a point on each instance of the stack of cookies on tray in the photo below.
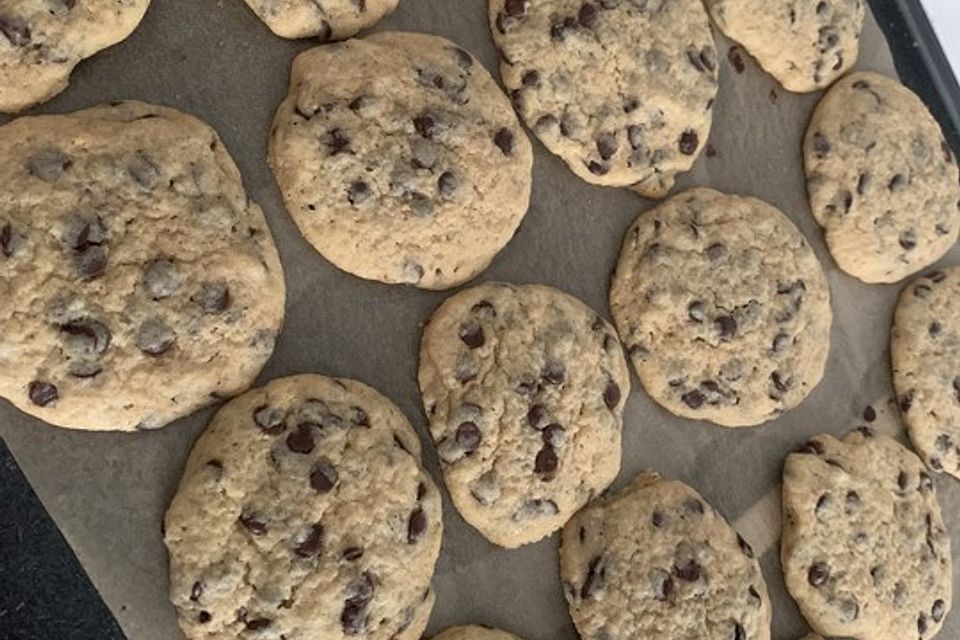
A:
[141,284]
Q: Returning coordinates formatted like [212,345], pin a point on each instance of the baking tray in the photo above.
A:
[212,58]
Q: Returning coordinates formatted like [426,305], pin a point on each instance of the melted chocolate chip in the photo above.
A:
[323,476]
[504,141]
[301,440]
[471,333]
[416,525]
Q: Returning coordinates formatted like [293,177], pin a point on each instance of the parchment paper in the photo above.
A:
[108,492]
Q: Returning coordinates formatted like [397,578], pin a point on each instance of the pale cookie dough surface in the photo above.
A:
[141,282]
[925,349]
[881,178]
[325,19]
[656,561]
[524,387]
[474,632]
[400,159]
[41,41]
[864,550]
[723,307]
[621,90]
[804,44]
[304,514]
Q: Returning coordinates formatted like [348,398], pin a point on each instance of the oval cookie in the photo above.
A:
[304,512]
[147,284]
[524,387]
[655,560]
[864,550]
[723,307]
[411,168]
[883,183]
[621,90]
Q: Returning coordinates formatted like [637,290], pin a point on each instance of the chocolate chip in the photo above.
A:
[897,183]
[47,164]
[688,571]
[421,491]
[161,278]
[358,192]
[351,554]
[254,524]
[87,336]
[270,420]
[657,519]
[204,617]
[594,580]
[504,141]
[471,334]
[312,544]
[738,632]
[662,584]
[15,31]
[301,440]
[554,374]
[938,610]
[515,8]
[905,402]
[426,125]
[468,437]
[212,297]
[587,15]
[597,168]
[546,462]
[197,591]
[611,394]
[464,59]
[336,141]
[926,482]
[693,399]
[745,548]
[447,184]
[695,311]
[908,240]
[726,326]
[607,145]
[779,382]
[6,240]
[812,447]
[553,434]
[359,417]
[821,146]
[818,574]
[689,140]
[258,623]
[780,342]
[154,337]
[323,476]
[694,506]
[90,262]
[536,508]
[416,525]
[42,393]
[535,415]
[531,78]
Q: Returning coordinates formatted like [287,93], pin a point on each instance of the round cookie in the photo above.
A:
[656,561]
[620,90]
[474,632]
[524,387]
[325,19]
[804,44]
[41,41]
[304,514]
[146,284]
[881,178]
[723,307]
[864,550]
[925,350]
[410,167]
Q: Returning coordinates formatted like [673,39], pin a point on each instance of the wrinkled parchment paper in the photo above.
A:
[214,59]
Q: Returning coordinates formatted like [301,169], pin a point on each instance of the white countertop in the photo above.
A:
[945,18]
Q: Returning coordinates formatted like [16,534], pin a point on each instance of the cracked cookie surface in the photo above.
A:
[925,352]
[474,632]
[804,44]
[146,283]
[524,387]
[656,561]
[882,181]
[304,514]
[864,550]
[41,41]
[621,90]
[324,19]
[723,307]
[400,159]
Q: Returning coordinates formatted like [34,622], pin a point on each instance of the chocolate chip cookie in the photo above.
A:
[881,178]
[139,281]
[304,513]
[41,41]
[400,159]
[656,561]
[474,632]
[864,550]
[723,307]
[324,19]
[925,349]
[621,90]
[804,44]
[524,387]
